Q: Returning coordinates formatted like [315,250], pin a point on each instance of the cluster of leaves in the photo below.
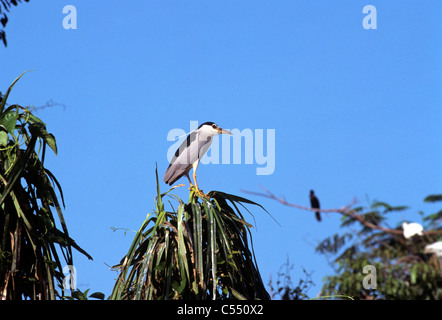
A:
[30,266]
[80,295]
[199,251]
[5,7]
[403,270]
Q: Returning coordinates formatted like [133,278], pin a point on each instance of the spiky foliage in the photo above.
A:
[30,266]
[201,250]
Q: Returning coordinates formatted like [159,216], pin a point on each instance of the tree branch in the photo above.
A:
[346,210]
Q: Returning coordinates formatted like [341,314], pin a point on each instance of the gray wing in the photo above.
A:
[185,156]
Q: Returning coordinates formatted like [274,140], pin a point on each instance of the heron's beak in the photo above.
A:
[224,131]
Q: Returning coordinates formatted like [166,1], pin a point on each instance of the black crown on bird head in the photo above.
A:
[207,123]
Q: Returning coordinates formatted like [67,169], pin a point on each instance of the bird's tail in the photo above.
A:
[318,216]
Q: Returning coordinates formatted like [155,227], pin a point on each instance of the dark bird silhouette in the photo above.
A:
[314,202]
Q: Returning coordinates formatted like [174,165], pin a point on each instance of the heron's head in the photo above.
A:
[212,129]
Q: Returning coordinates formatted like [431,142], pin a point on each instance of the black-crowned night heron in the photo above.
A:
[189,154]
[314,202]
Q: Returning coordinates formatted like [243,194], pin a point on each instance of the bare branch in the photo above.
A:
[346,210]
[282,200]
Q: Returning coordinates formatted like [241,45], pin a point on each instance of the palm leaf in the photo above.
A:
[201,251]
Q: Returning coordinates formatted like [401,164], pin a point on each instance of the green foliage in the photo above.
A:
[30,266]
[433,198]
[79,295]
[284,288]
[201,250]
[403,270]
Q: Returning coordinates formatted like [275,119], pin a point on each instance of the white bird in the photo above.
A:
[412,229]
[434,248]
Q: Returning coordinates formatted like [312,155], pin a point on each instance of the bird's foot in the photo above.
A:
[199,192]
[202,194]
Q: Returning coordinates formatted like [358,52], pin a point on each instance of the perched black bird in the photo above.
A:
[314,202]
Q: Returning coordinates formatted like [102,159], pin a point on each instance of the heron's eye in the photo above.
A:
[214,126]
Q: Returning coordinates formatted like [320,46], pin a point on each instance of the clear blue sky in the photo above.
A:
[356,112]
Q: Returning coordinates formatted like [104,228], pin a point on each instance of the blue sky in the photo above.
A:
[356,112]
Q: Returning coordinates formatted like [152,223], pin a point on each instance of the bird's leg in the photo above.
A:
[196,184]
[198,190]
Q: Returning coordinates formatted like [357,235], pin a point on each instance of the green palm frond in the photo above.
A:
[200,251]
